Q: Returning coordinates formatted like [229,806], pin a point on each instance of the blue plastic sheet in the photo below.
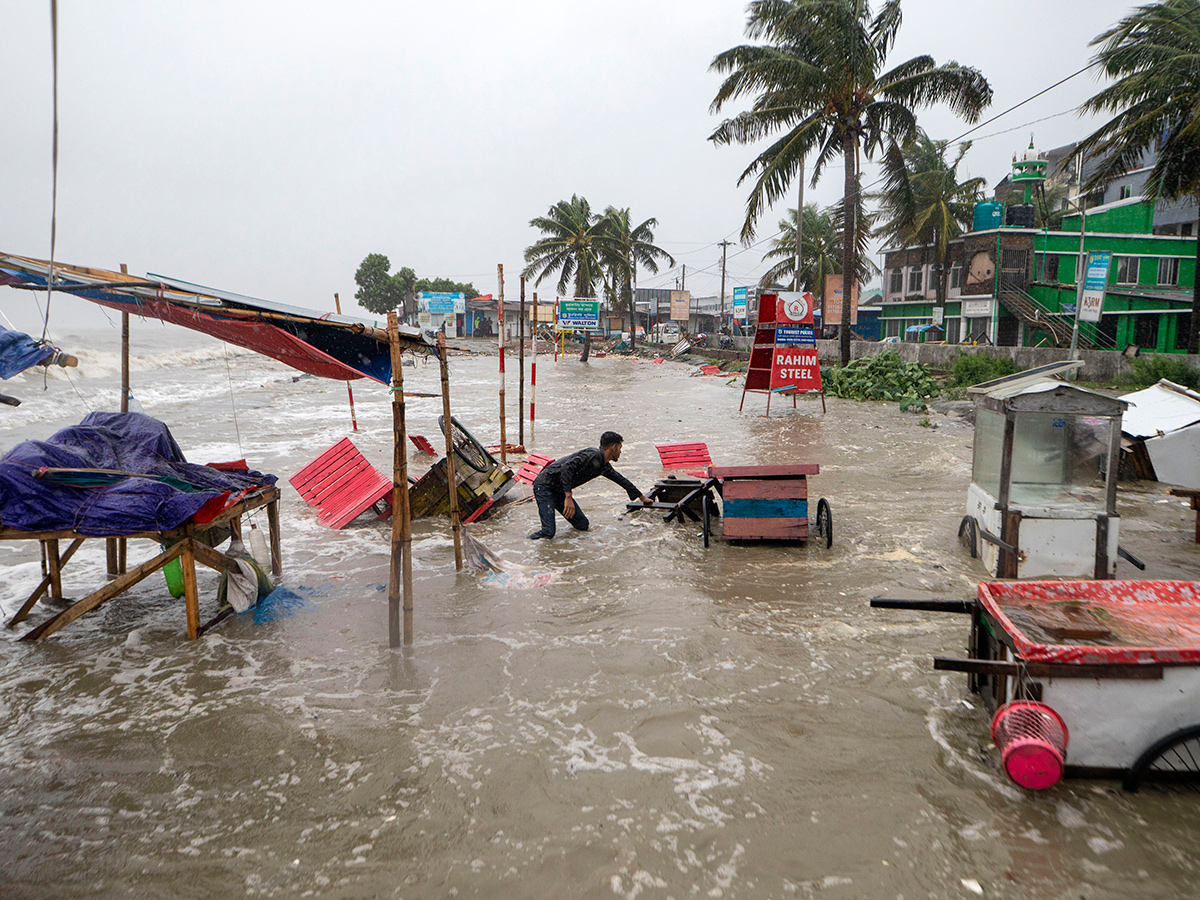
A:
[18,352]
[164,491]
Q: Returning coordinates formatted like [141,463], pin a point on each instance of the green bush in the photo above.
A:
[967,369]
[1146,370]
[883,377]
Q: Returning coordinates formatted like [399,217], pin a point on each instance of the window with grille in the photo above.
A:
[914,280]
[955,277]
[1127,269]
[896,281]
[1168,270]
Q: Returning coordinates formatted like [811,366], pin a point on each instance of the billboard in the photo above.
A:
[681,302]
[833,301]
[441,303]
[740,303]
[578,315]
[1095,282]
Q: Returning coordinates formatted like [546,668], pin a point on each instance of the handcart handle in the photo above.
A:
[954,606]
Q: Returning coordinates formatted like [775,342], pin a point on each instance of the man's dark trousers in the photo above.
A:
[549,501]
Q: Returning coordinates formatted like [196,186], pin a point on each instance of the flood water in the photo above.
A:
[660,720]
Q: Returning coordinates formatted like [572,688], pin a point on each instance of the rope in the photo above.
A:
[53,164]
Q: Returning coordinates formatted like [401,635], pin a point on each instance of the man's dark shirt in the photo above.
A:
[568,472]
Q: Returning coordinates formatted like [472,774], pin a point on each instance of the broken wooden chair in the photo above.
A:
[341,484]
[690,456]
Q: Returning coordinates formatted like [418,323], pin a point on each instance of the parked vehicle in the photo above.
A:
[667,332]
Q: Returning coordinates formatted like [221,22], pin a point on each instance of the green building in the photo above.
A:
[1012,284]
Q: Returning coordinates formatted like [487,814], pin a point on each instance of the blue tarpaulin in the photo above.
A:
[18,352]
[145,482]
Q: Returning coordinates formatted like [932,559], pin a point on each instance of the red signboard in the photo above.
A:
[794,364]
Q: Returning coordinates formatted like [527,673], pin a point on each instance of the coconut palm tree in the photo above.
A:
[624,248]
[572,244]
[819,86]
[923,202]
[1153,55]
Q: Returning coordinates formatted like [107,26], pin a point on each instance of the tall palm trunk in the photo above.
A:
[849,244]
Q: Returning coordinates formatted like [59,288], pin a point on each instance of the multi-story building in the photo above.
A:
[1012,284]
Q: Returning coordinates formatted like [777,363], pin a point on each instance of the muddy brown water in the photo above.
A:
[660,720]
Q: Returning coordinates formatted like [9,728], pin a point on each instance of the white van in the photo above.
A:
[668,333]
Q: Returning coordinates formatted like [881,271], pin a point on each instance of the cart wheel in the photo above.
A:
[1174,759]
[704,506]
[968,536]
[466,448]
[825,522]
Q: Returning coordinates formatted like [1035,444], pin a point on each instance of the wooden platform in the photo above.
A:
[181,544]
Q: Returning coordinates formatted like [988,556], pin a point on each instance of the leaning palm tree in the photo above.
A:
[1153,56]
[623,249]
[923,203]
[572,244]
[818,81]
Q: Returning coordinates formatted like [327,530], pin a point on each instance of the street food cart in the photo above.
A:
[1042,500]
[1097,678]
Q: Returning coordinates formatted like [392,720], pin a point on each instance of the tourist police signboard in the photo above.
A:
[794,362]
[739,303]
[1091,301]
[578,315]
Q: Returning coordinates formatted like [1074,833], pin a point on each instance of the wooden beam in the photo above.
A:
[106,593]
[41,588]
[191,591]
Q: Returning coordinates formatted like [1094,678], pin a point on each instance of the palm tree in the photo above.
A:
[1153,56]
[818,78]
[624,248]
[572,244]
[923,202]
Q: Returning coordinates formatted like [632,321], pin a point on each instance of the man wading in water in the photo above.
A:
[553,486]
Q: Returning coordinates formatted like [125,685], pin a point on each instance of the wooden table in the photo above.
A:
[1193,495]
[181,544]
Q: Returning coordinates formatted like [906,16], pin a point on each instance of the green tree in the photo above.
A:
[378,291]
[445,286]
[818,83]
[572,244]
[923,203]
[820,251]
[1153,57]
[623,248]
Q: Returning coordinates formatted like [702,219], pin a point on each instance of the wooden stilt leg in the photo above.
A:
[191,593]
[54,569]
[110,550]
[273,535]
[122,559]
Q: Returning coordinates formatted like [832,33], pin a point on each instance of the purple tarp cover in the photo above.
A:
[18,352]
[127,442]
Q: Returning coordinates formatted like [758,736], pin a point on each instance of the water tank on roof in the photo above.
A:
[1019,215]
[988,214]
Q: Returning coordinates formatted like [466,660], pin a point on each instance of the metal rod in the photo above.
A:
[521,366]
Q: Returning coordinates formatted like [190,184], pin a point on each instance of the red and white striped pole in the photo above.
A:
[533,368]
[500,330]
[337,304]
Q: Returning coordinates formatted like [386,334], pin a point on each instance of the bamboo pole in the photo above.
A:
[400,576]
[521,366]
[337,304]
[451,480]
[500,331]
[533,368]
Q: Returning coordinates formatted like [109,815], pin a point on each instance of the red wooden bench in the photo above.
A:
[711,370]
[341,484]
[691,456]
[532,467]
[422,444]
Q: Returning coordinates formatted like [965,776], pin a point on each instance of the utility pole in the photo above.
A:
[721,321]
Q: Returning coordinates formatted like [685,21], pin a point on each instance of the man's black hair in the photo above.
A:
[609,438]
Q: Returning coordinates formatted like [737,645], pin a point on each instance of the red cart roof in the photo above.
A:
[1098,621]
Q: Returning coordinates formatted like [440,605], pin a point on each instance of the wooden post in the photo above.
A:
[337,304]
[191,592]
[503,437]
[116,546]
[54,567]
[451,480]
[533,368]
[521,374]
[273,536]
[400,578]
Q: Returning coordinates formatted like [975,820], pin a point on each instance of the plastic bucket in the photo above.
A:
[1032,739]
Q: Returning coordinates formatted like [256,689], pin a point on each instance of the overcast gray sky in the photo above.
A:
[267,147]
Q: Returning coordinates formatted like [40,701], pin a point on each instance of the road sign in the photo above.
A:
[740,303]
